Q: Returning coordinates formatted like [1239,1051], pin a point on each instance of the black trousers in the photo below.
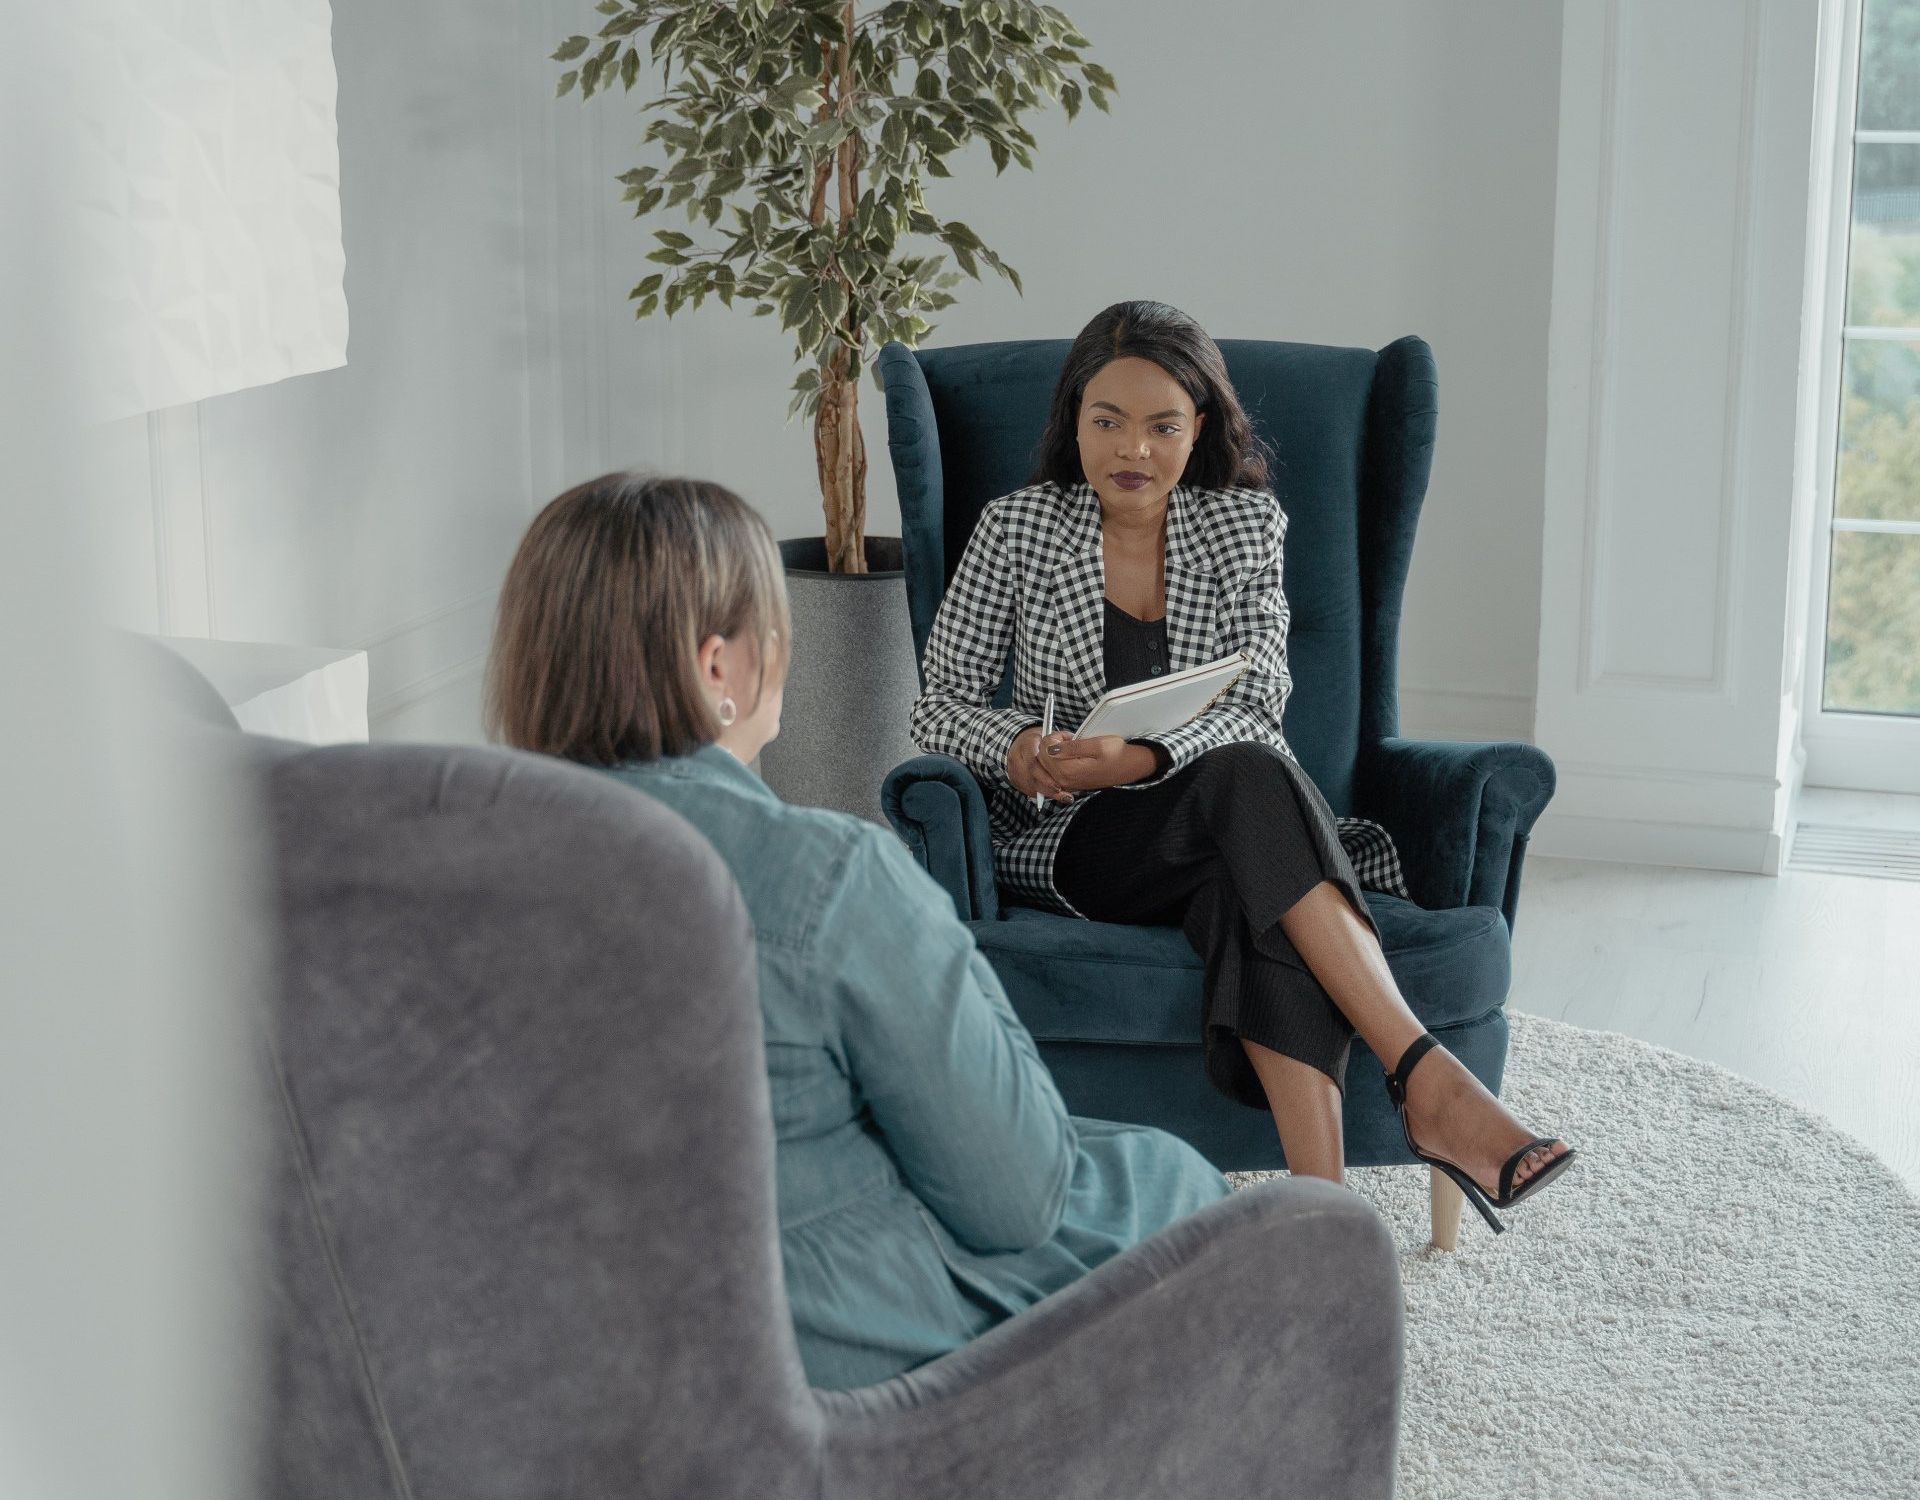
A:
[1223,849]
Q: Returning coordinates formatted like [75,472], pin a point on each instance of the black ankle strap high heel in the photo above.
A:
[1475,1194]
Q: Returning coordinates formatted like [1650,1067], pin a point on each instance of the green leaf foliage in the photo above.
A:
[745,120]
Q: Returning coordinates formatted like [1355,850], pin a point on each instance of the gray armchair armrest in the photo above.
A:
[935,804]
[1459,812]
[1253,1348]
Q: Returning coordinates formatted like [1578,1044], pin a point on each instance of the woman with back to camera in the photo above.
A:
[930,1182]
[1149,542]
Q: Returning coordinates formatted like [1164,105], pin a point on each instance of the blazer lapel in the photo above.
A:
[1079,589]
[1192,590]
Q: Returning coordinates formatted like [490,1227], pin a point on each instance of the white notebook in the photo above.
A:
[1162,704]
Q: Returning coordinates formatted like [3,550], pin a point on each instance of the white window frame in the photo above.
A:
[1867,752]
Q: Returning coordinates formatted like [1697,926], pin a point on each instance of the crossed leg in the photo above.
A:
[1450,1112]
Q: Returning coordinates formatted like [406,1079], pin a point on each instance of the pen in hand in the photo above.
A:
[1046,728]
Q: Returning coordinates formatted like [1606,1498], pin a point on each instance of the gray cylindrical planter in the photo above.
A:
[851,684]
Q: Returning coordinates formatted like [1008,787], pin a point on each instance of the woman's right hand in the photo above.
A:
[1029,772]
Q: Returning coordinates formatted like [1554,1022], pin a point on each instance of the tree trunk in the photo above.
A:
[840,453]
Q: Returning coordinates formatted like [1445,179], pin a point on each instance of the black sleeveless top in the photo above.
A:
[1135,649]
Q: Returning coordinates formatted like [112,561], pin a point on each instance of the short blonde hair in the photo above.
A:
[617,582]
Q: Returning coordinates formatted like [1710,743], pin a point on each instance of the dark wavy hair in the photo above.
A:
[1227,452]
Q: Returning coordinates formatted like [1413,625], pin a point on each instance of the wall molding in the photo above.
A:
[398,700]
[1666,842]
[1716,685]
[1677,775]
[1600,370]
[1666,814]
[1742,314]
[428,654]
[371,643]
[540,230]
[594,209]
[184,602]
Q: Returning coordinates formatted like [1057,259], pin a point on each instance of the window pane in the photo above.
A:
[1879,476]
[1890,66]
[1883,262]
[1873,624]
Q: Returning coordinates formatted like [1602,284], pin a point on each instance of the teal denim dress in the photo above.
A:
[930,1180]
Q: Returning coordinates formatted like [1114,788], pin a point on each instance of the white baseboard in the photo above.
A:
[1633,842]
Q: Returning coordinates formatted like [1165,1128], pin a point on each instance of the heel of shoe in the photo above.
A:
[1470,1190]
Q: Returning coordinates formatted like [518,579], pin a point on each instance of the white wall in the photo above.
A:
[1281,169]
[1343,174]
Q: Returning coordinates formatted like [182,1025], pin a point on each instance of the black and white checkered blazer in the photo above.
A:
[1033,579]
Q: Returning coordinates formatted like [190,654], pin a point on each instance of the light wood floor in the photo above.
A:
[1807,983]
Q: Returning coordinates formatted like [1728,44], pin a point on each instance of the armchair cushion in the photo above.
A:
[1114,982]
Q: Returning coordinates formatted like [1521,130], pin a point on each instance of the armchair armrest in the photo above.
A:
[1252,1348]
[1460,814]
[936,806]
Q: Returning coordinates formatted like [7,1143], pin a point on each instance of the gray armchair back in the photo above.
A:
[525,1207]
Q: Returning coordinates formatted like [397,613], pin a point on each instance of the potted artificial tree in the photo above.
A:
[812,129]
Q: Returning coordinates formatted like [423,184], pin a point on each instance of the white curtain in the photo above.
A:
[210,193]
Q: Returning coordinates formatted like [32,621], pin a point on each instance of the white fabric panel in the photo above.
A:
[317,694]
[211,197]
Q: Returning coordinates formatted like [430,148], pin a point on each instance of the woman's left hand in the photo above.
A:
[1102,761]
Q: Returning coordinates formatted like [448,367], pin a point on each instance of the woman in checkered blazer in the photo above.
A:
[1149,542]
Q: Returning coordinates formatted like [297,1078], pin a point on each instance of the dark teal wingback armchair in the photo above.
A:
[1115,1009]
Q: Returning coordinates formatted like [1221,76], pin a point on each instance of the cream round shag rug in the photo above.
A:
[1720,1297]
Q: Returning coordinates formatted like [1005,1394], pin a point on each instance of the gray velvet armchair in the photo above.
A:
[524,1224]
